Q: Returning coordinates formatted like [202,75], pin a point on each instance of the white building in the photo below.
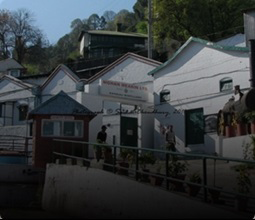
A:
[16,99]
[122,96]
[193,86]
[122,86]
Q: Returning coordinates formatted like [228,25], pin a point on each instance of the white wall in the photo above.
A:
[61,81]
[129,71]
[11,94]
[193,79]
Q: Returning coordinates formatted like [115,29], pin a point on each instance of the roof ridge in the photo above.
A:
[201,41]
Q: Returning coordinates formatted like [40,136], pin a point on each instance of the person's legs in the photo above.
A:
[172,147]
[98,153]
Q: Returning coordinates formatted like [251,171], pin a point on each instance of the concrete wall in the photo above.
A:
[234,147]
[20,186]
[91,193]
[18,130]
[16,173]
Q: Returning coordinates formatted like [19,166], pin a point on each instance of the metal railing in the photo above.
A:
[16,144]
[60,146]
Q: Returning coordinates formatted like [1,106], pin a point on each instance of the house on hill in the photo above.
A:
[104,44]
[99,48]
[11,67]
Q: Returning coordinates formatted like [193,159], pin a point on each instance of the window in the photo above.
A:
[164,95]
[23,110]
[1,109]
[226,84]
[14,73]
[62,128]
[51,128]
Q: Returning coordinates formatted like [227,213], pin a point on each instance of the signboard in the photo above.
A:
[60,117]
[124,90]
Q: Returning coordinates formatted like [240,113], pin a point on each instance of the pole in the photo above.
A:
[149,30]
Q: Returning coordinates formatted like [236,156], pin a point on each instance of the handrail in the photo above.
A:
[167,153]
[160,151]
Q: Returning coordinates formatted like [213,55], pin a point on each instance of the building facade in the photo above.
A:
[193,86]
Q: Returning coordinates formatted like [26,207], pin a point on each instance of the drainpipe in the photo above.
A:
[252,63]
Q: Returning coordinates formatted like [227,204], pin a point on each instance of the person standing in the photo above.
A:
[170,138]
[101,139]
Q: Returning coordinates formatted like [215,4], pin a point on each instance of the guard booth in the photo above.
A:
[60,117]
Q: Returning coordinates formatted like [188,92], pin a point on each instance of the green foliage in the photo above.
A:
[141,27]
[180,19]
[195,178]
[176,167]
[146,158]
[32,69]
[18,35]
[249,149]
[140,9]
[126,154]
[250,116]
[243,179]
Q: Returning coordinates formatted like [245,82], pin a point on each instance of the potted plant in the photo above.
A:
[176,170]
[216,190]
[144,159]
[193,190]
[243,187]
[126,155]
[231,125]
[157,179]
[250,116]
[240,124]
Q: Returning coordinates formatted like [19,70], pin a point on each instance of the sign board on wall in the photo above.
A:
[124,90]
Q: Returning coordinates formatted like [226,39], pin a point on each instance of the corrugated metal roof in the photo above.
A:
[237,40]
[61,104]
[116,33]
[201,41]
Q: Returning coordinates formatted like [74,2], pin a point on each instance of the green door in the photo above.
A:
[194,120]
[128,131]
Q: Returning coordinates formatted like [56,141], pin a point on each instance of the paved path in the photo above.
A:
[30,214]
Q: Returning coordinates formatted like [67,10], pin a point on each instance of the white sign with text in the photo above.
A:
[124,90]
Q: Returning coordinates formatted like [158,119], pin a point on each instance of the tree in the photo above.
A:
[109,15]
[140,9]
[23,33]
[142,27]
[209,19]
[95,22]
[127,19]
[5,31]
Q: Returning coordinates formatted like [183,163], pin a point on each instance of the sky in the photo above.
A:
[54,17]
